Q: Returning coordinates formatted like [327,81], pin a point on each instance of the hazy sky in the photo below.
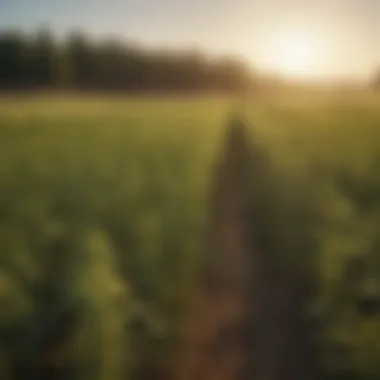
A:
[343,36]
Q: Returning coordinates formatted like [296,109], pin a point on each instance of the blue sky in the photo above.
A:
[346,31]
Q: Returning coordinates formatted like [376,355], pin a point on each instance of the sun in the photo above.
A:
[296,56]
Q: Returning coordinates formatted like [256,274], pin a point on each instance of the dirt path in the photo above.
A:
[246,321]
[214,333]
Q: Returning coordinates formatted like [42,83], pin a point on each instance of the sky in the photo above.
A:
[325,38]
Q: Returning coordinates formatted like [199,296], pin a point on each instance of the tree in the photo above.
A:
[81,63]
[12,60]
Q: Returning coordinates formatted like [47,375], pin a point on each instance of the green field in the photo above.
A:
[330,152]
[126,181]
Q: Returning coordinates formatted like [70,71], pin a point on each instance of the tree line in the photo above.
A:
[42,61]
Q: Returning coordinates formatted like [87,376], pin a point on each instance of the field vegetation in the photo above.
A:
[103,221]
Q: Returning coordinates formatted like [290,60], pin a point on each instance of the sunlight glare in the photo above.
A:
[296,56]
